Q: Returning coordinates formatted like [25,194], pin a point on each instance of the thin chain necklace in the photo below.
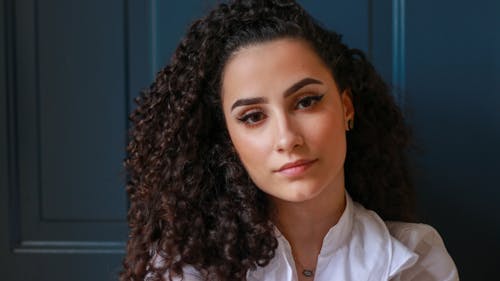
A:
[308,273]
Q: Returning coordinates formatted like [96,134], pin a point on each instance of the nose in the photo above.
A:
[288,136]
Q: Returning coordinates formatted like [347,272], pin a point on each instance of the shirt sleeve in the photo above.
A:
[434,263]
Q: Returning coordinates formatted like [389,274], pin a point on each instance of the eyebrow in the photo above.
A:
[292,89]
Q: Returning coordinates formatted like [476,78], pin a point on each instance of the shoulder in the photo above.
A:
[433,263]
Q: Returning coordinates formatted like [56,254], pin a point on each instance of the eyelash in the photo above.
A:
[246,118]
[310,98]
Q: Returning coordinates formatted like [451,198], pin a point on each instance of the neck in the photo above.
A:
[305,224]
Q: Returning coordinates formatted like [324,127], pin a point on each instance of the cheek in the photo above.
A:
[328,135]
[252,148]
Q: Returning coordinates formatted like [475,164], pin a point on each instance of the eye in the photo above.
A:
[252,118]
[308,101]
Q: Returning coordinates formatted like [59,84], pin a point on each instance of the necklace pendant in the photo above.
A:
[308,273]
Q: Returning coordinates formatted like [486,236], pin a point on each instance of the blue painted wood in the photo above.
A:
[80,104]
[70,69]
[5,154]
[69,112]
[350,18]
[382,14]
[453,71]
[398,50]
[139,48]
[68,73]
[170,21]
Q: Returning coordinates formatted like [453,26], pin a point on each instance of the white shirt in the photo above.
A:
[361,246]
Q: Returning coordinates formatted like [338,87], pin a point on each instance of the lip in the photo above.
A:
[295,168]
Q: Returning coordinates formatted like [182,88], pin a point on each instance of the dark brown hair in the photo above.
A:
[191,201]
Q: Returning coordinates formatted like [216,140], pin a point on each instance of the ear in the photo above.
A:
[348,107]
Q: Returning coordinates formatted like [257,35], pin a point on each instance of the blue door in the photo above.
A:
[69,71]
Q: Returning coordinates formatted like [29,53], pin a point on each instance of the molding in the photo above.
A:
[70,247]
[370,30]
[398,51]
[16,224]
[13,210]
[36,94]
[153,38]
[126,66]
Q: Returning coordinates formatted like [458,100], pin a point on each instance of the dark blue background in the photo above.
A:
[70,69]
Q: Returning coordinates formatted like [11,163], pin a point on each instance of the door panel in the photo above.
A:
[69,71]
[453,78]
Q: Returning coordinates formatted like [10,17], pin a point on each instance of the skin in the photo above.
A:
[282,105]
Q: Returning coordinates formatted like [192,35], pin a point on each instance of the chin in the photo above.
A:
[299,196]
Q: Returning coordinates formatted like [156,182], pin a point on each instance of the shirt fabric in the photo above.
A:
[361,246]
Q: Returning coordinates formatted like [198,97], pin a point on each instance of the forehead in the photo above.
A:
[271,65]
[286,50]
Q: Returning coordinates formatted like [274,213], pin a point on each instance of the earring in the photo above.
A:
[350,124]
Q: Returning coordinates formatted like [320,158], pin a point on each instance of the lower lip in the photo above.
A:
[296,170]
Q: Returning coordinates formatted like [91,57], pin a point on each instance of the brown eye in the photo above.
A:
[308,101]
[252,118]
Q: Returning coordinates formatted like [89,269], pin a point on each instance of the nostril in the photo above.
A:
[289,141]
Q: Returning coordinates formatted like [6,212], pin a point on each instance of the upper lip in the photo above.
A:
[295,164]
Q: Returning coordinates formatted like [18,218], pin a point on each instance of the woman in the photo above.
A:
[258,152]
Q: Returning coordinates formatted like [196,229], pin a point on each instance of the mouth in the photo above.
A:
[295,168]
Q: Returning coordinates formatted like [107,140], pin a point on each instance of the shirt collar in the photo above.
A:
[339,234]
[382,256]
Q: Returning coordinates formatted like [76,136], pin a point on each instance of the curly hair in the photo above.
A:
[191,201]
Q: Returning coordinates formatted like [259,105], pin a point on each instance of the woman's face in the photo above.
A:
[286,119]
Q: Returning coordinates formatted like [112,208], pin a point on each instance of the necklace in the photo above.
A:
[308,273]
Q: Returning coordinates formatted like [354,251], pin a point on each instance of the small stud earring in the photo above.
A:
[350,124]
